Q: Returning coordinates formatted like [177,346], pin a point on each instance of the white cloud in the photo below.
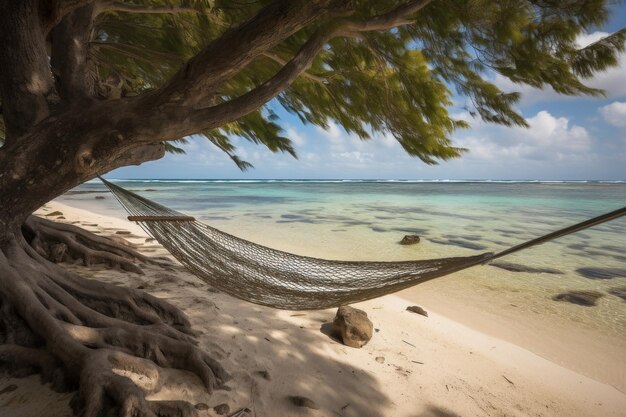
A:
[354,158]
[296,137]
[388,140]
[547,138]
[587,39]
[615,113]
[333,133]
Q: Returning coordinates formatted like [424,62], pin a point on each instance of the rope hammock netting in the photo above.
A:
[278,279]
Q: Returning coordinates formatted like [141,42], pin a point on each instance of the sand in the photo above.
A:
[413,366]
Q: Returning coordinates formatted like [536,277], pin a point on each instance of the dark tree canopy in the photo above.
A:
[370,65]
[88,86]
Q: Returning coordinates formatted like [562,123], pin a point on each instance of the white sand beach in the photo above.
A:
[413,366]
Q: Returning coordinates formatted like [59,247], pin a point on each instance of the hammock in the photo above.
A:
[273,278]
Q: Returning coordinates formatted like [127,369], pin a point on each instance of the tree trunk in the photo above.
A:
[72,330]
[75,331]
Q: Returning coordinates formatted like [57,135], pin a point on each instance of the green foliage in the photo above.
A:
[399,81]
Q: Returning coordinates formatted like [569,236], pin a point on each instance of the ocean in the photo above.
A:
[365,220]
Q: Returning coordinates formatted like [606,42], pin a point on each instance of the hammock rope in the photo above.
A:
[278,279]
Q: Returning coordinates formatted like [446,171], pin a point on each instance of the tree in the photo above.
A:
[87,86]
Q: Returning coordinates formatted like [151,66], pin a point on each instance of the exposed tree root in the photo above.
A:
[83,333]
[60,242]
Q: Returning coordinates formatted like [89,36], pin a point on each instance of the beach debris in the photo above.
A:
[100,197]
[508,380]
[222,409]
[408,343]
[418,310]
[8,388]
[618,292]
[410,240]
[201,406]
[353,326]
[581,298]
[54,213]
[122,232]
[241,412]
[264,375]
[419,363]
[300,401]
[380,359]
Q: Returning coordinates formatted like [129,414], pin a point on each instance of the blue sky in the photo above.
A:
[569,138]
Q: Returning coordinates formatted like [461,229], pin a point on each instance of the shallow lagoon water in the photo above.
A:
[364,220]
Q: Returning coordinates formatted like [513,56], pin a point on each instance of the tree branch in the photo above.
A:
[281,61]
[118,6]
[397,17]
[52,11]
[137,156]
[70,56]
[212,117]
[236,48]
[232,110]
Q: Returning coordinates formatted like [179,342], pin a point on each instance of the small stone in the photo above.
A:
[418,310]
[222,409]
[300,401]
[380,359]
[122,232]
[201,406]
[410,240]
[100,197]
[264,375]
[581,298]
[352,326]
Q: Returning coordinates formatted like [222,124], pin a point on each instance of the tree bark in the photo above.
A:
[69,60]
[25,78]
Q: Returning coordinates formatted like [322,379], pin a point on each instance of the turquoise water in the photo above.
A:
[365,220]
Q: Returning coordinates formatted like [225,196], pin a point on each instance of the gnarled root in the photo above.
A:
[88,334]
[60,242]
